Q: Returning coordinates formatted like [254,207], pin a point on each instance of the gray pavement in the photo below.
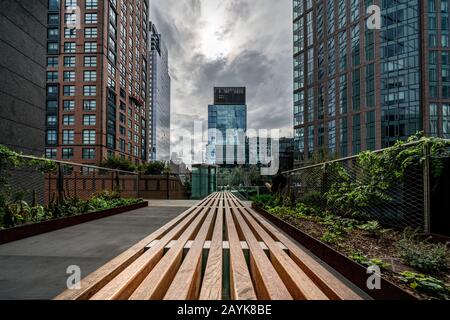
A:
[35,268]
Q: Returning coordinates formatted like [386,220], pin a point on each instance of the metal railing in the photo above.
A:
[349,187]
[41,181]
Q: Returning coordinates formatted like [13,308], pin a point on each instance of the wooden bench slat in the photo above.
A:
[329,283]
[212,280]
[241,285]
[96,280]
[268,283]
[187,282]
[298,283]
[122,286]
[156,283]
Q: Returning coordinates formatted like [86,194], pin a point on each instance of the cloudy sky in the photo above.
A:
[228,43]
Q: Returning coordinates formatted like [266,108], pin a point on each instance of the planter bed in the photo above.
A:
[29,230]
[350,269]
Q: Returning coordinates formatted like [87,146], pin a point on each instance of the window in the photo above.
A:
[69,47]
[71,3]
[52,137]
[70,18]
[91,4]
[89,91]
[52,76]
[67,153]
[52,105]
[90,33]
[90,47]
[68,120]
[53,19]
[52,62]
[89,105]
[53,33]
[69,105]
[88,137]
[88,153]
[52,120]
[89,120]
[70,33]
[68,137]
[50,153]
[52,47]
[69,62]
[69,76]
[90,76]
[53,4]
[90,61]
[90,18]
[52,90]
[69,91]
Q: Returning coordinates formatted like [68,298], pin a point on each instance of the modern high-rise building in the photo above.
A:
[361,87]
[227,126]
[159,98]
[23,43]
[97,80]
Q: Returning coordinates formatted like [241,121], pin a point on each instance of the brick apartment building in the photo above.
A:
[97,80]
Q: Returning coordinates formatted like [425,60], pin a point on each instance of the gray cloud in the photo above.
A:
[259,57]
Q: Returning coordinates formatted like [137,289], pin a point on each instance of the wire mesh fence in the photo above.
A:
[394,186]
[41,181]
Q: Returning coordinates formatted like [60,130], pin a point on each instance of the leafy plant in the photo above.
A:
[373,228]
[426,284]
[365,261]
[422,255]
[331,237]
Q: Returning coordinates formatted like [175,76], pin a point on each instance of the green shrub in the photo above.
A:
[424,256]
[426,284]
[107,195]
[154,168]
[119,164]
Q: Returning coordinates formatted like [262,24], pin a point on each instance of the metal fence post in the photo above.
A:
[60,184]
[427,187]
[168,185]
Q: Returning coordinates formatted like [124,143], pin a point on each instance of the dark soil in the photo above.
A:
[374,247]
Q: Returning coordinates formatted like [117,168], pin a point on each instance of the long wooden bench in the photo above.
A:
[218,249]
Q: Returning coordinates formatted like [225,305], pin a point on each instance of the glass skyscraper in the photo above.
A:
[359,88]
[159,99]
[227,126]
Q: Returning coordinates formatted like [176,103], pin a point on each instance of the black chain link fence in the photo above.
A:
[360,186]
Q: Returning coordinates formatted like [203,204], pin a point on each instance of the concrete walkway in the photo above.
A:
[35,268]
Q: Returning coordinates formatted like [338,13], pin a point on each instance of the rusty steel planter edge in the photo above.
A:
[353,271]
[30,230]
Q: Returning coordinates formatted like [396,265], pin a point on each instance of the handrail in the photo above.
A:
[67,163]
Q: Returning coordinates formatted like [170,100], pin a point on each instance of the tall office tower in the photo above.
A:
[358,87]
[97,80]
[23,45]
[227,126]
[159,98]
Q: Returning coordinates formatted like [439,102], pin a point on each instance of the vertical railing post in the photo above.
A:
[324,182]
[168,185]
[60,184]
[138,185]
[117,180]
[427,187]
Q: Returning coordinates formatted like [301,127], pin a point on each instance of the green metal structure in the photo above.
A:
[204,181]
